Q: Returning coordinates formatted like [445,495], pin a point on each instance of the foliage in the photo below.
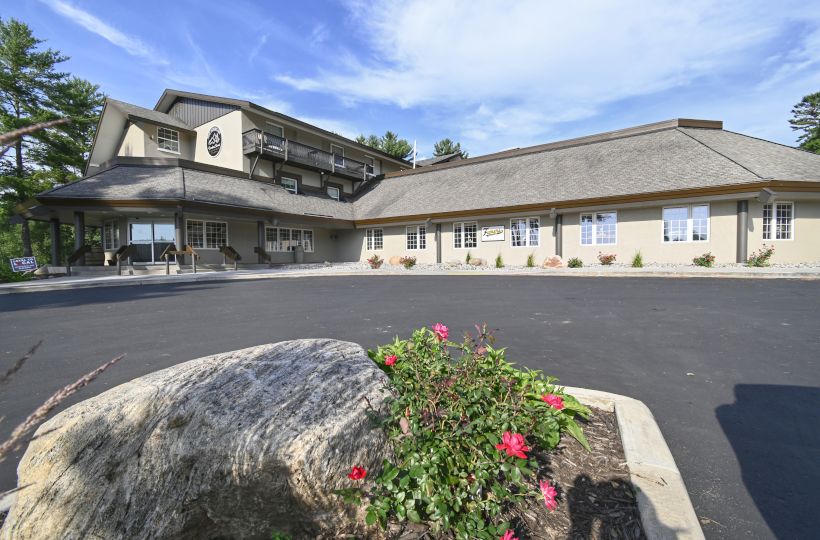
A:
[389,143]
[468,258]
[575,262]
[446,146]
[637,260]
[707,260]
[499,261]
[375,261]
[446,415]
[760,257]
[408,262]
[806,118]
[32,90]
[531,260]
[606,258]
[279,536]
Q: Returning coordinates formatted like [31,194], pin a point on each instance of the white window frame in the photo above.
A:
[338,154]
[204,223]
[420,232]
[371,239]
[595,227]
[773,223]
[277,248]
[372,165]
[295,189]
[527,229]
[338,195]
[690,223]
[168,138]
[115,235]
[461,235]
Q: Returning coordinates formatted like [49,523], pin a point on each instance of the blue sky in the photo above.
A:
[491,74]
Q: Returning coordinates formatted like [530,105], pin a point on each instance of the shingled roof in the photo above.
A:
[668,156]
[135,112]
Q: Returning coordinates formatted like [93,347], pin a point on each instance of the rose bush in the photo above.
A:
[465,427]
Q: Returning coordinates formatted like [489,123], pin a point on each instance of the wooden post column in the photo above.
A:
[55,241]
[79,235]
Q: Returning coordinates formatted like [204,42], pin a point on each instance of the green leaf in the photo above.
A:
[575,430]
[371,518]
[413,516]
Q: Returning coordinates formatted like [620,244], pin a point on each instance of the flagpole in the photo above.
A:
[414,153]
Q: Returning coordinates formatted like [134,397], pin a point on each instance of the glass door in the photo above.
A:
[150,239]
[164,236]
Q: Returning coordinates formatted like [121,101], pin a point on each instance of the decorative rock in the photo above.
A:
[475,261]
[553,262]
[235,445]
[395,260]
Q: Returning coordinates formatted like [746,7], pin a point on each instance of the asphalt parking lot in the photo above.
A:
[729,367]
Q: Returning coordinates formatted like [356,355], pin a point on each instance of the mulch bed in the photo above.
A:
[596,500]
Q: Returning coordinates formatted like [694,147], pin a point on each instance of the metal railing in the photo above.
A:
[268,144]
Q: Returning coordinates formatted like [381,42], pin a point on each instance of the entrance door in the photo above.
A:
[150,238]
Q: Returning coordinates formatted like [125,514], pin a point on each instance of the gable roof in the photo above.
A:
[435,160]
[135,112]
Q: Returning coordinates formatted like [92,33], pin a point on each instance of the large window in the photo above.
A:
[110,235]
[283,239]
[416,237]
[206,234]
[465,235]
[290,184]
[525,232]
[375,239]
[778,221]
[168,140]
[599,228]
[688,223]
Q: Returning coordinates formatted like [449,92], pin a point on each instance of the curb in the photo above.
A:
[664,504]
[120,281]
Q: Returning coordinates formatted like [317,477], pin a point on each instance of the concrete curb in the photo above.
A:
[120,281]
[664,504]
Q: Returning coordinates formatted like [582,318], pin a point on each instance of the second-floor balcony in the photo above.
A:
[270,146]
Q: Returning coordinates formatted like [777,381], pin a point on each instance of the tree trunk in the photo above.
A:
[26,234]
[25,231]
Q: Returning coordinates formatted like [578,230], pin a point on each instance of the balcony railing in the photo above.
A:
[262,143]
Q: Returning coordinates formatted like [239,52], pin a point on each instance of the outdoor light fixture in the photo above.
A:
[765,195]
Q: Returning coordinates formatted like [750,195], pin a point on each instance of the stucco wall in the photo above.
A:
[133,144]
[488,251]
[141,141]
[805,243]
[230,155]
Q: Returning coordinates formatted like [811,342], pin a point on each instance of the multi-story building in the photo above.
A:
[208,172]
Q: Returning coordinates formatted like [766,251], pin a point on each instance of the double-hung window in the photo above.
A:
[375,239]
[110,235]
[338,155]
[465,235]
[278,239]
[599,228]
[687,223]
[206,234]
[290,184]
[525,232]
[168,140]
[778,221]
[369,165]
[416,237]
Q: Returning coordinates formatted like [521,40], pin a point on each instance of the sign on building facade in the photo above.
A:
[492,234]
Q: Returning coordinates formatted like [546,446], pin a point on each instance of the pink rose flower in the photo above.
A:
[390,360]
[508,535]
[513,444]
[357,473]
[440,331]
[556,402]
[549,493]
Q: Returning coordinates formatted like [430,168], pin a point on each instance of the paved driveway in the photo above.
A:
[729,367]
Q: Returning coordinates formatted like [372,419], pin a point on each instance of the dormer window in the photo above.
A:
[334,192]
[338,155]
[290,184]
[168,140]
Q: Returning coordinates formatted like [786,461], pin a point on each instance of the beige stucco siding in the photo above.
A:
[133,144]
[488,251]
[141,141]
[395,245]
[805,243]
[230,155]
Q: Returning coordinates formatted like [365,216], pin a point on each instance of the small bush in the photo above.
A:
[575,262]
[531,260]
[408,262]
[707,260]
[468,258]
[464,428]
[637,260]
[499,261]
[606,258]
[375,261]
[761,257]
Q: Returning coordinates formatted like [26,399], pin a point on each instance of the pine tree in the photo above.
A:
[806,118]
[446,146]
[389,144]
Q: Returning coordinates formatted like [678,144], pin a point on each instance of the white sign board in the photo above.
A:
[492,234]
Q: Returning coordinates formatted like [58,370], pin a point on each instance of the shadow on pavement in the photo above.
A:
[775,433]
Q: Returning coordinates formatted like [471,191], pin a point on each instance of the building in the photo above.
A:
[209,172]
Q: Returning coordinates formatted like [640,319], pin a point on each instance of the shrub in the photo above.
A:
[531,260]
[375,261]
[637,260]
[761,257]
[575,262]
[460,429]
[499,261]
[468,258]
[707,260]
[408,262]
[606,258]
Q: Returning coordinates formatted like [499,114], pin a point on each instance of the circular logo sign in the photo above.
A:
[214,142]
